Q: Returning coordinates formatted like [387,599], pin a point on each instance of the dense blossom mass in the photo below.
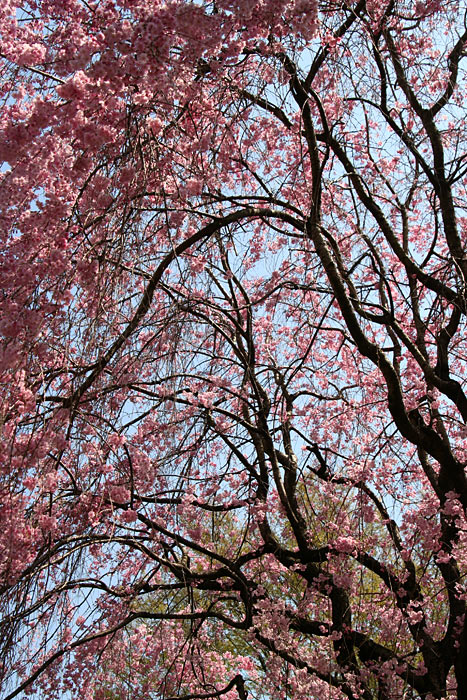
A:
[233,364]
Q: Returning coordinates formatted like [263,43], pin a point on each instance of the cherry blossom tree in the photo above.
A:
[232,358]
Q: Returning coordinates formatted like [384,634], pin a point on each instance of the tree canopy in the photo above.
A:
[232,349]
